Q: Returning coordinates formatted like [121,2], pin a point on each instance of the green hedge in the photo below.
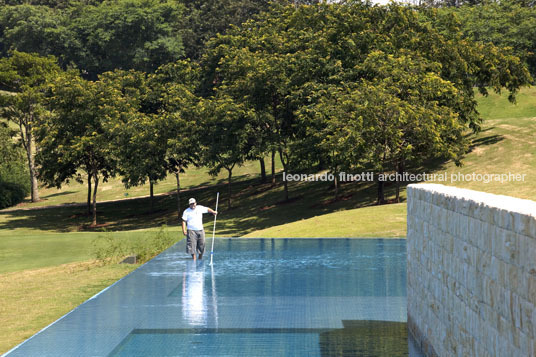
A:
[12,193]
[14,177]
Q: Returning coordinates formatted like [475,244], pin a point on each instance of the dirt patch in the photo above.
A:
[478,151]
[265,208]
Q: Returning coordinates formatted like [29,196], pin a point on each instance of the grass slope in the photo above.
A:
[32,299]
[359,222]
[33,251]
[506,144]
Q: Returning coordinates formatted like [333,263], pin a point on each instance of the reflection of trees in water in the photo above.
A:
[366,338]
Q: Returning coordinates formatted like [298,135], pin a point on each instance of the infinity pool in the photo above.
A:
[261,297]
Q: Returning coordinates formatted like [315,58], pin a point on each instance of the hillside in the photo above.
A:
[505,145]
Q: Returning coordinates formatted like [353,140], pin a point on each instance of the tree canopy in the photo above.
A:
[338,86]
[283,65]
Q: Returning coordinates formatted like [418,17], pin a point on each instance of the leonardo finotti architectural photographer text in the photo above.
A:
[408,177]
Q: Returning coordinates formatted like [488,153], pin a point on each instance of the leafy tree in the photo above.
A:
[279,64]
[206,19]
[137,143]
[25,77]
[162,136]
[33,29]
[127,34]
[74,138]
[505,24]
[14,183]
[226,133]
[257,76]
[179,116]
[97,36]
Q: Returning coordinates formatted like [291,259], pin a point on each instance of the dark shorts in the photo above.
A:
[195,242]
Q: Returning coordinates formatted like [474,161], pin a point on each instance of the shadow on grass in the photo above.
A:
[57,194]
[254,206]
[44,198]
[486,140]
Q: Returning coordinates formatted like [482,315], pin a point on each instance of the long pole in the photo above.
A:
[214,229]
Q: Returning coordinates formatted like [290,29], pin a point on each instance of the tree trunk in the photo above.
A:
[151,190]
[230,171]
[397,198]
[96,179]
[321,165]
[273,167]
[285,182]
[336,183]
[178,196]
[88,194]
[263,170]
[400,171]
[381,197]
[28,144]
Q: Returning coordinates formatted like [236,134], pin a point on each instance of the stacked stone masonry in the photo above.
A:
[471,272]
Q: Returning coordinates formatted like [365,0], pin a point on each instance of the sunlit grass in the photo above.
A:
[374,221]
[32,299]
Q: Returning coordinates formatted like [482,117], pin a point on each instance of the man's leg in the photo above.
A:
[191,243]
[201,244]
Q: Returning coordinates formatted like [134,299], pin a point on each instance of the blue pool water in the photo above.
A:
[262,297]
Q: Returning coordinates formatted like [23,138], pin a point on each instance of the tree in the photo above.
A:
[14,183]
[281,64]
[507,23]
[127,34]
[179,116]
[205,20]
[97,36]
[257,75]
[74,137]
[25,76]
[35,29]
[162,136]
[226,134]
[138,145]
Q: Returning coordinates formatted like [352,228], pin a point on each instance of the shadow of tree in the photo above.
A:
[486,140]
[256,206]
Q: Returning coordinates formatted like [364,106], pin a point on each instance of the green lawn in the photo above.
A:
[497,106]
[32,299]
[359,222]
[33,251]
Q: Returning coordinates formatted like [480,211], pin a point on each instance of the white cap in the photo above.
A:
[191,200]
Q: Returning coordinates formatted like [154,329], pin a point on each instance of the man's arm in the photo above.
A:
[210,210]
[184,227]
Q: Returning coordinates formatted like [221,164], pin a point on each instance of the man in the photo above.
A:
[192,218]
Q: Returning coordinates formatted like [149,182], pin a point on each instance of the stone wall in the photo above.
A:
[471,272]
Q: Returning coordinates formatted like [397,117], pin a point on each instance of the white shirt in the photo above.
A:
[194,217]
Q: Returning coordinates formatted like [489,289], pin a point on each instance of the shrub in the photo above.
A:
[111,248]
[11,194]
[14,177]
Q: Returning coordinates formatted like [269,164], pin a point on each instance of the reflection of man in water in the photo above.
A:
[194,304]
